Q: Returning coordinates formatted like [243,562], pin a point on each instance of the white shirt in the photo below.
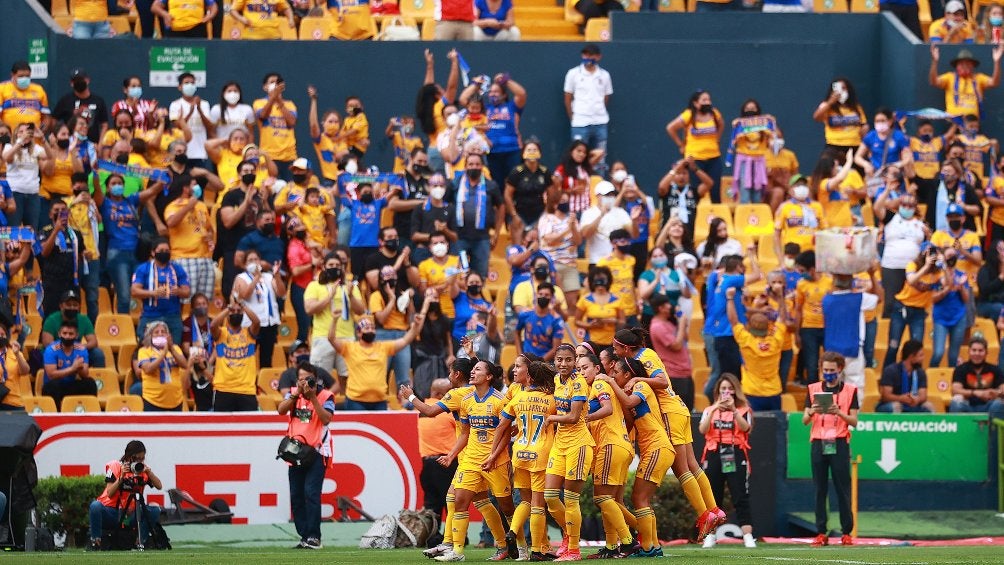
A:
[22,173]
[238,116]
[262,300]
[589,91]
[902,242]
[728,247]
[197,145]
[599,243]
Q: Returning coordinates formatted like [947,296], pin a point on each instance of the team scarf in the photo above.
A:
[751,124]
[480,202]
[157,175]
[152,282]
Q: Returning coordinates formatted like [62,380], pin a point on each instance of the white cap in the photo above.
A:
[604,188]
[300,163]
[954,6]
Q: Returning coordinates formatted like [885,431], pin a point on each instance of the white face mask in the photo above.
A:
[800,192]
[351,167]
[188,89]
[843,96]
[232,97]
[789,263]
[452,120]
[881,127]
[437,192]
[607,202]
[439,249]
[618,176]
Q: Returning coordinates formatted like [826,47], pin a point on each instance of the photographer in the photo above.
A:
[124,476]
[310,408]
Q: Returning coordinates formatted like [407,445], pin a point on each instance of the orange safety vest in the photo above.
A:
[311,432]
[723,430]
[826,426]
[113,469]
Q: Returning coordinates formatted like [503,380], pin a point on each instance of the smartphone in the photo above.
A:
[465,263]
[837,87]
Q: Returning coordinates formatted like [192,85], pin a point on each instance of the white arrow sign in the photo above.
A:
[177,66]
[888,462]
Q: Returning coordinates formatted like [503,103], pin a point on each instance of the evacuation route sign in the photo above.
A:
[905,447]
[38,58]
[166,63]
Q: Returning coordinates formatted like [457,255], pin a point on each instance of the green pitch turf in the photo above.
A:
[679,555]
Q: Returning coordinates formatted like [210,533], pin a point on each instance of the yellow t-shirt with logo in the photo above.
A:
[236,369]
[482,415]
[163,388]
[314,220]
[80,220]
[156,153]
[976,148]
[612,429]
[432,273]
[321,321]
[188,237]
[263,15]
[843,126]
[623,283]
[576,434]
[927,156]
[22,106]
[997,212]
[529,409]
[591,309]
[701,141]
[368,378]
[761,358]
[915,297]
[58,183]
[329,151]
[790,220]
[785,160]
[938,32]
[963,95]
[89,11]
[277,139]
[357,129]
[809,298]
[185,14]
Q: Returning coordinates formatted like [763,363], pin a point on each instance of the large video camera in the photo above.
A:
[131,481]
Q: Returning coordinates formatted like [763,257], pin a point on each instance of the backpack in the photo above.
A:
[420,524]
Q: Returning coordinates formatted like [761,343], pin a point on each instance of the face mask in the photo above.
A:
[618,176]
[122,158]
[23,82]
[116,190]
[705,108]
[331,129]
[70,314]
[79,85]
[197,191]
[830,378]
[300,178]
[972,130]
[248,179]
[624,248]
[789,263]
[252,268]
[540,273]
[232,97]
[543,303]
[955,225]
[368,337]
[135,91]
[494,100]
[660,262]
[63,143]
[200,312]
[588,62]
[531,154]
[437,192]
[67,342]
[800,192]
[159,341]
[881,127]
[434,308]
[181,159]
[563,207]
[162,256]
[806,276]
[352,167]
[452,120]
[951,261]
[4,139]
[303,358]
[354,111]
[474,289]
[300,234]
[333,274]
[440,249]
[188,89]
[407,130]
[4,341]
[474,174]
[948,178]
[601,282]
[925,137]
[366,198]
[391,245]
[267,229]
[235,320]
[607,202]
[996,21]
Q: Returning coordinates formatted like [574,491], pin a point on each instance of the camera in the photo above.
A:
[311,382]
[134,467]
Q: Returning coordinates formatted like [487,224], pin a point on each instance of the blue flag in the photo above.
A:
[465,69]
[928,114]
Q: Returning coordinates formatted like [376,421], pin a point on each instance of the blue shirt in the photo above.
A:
[717,321]
[121,220]
[642,220]
[950,310]
[891,147]
[502,131]
[269,248]
[842,327]
[464,306]
[54,355]
[7,193]
[172,275]
[365,221]
[539,331]
[484,13]
[791,279]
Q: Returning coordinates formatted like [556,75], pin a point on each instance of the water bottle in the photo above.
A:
[30,535]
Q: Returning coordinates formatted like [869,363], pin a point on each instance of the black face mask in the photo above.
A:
[200,312]
[122,158]
[162,257]
[300,234]
[391,245]
[474,174]
[955,225]
[235,319]
[248,179]
[366,198]
[181,159]
[564,207]
[333,274]
[749,113]
[79,85]
[951,262]
[474,289]
[268,228]
[71,314]
[67,341]
[63,143]
[303,358]
[4,139]
[368,337]
[422,170]
[4,341]
[543,303]
[355,111]
[705,108]
[300,178]
[434,308]
[601,282]
[624,248]
[540,273]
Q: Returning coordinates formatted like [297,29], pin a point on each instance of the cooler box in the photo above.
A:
[845,251]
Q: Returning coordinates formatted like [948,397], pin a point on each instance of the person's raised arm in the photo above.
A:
[995,80]
[453,80]
[932,71]
[216,324]
[730,306]
[315,125]
[405,341]
[517,90]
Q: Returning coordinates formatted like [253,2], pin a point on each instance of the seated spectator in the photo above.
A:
[69,311]
[718,245]
[365,234]
[367,362]
[184,18]
[954,27]
[235,378]
[797,219]
[990,281]
[90,19]
[164,370]
[542,330]
[270,247]
[299,353]
[951,321]
[161,284]
[66,366]
[261,18]
[355,127]
[678,199]
[903,386]
[495,21]
[14,367]
[978,386]
[388,254]
[597,9]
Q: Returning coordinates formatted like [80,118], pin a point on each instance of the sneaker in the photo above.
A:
[570,555]
[524,554]
[450,555]
[539,556]
[709,541]
[312,543]
[301,545]
[821,540]
[510,545]
[437,550]
[627,550]
[563,547]
[846,540]
[749,541]
[501,554]
[95,545]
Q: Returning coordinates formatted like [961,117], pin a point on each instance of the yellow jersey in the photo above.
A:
[84,217]
[277,138]
[189,236]
[90,11]
[163,388]
[963,95]
[927,156]
[329,151]
[576,434]
[623,284]
[357,129]
[525,295]
[977,148]
[612,429]
[368,381]
[997,190]
[529,409]
[669,401]
[22,106]
[593,310]
[227,166]
[236,368]
[293,193]
[58,183]
[648,422]
[919,298]
[396,320]
[403,146]
[481,414]
[843,126]
[322,320]
[753,143]
[314,219]
[939,31]
[701,141]
[809,299]
[785,160]
[263,15]
[511,391]
[156,153]
[794,227]
[185,13]
[433,273]
[789,305]
[11,377]
[969,241]
[761,358]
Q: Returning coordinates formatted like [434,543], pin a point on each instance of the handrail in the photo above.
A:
[45,16]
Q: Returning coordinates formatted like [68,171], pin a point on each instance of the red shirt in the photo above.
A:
[456,10]
[297,254]
[663,334]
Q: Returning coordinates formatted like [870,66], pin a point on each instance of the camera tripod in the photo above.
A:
[135,499]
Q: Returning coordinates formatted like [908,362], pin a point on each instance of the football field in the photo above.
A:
[777,554]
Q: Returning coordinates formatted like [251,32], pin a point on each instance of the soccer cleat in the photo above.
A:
[437,550]
[709,541]
[450,555]
[720,515]
[563,547]
[846,540]
[656,551]
[510,545]
[524,554]
[821,540]
[603,553]
[570,555]
[538,556]
[312,543]
[627,550]
[501,554]
[706,523]
[749,541]
[301,545]
[95,545]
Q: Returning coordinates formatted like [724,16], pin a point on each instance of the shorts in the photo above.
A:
[475,480]
[679,428]
[568,277]
[573,463]
[525,478]
[610,465]
[654,465]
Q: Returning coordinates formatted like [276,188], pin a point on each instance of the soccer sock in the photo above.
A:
[451,508]
[518,519]
[460,522]
[646,527]
[552,497]
[629,518]
[613,521]
[692,490]
[706,492]
[538,529]
[573,519]
[492,518]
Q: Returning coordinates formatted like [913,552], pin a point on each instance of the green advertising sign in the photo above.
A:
[38,58]
[905,447]
[166,63]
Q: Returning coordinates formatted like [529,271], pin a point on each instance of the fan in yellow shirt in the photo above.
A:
[964,88]
[22,101]
[164,370]
[355,127]
[261,17]
[183,18]
[190,228]
[329,144]
[276,119]
[401,132]
[235,376]
[317,217]
[798,218]
[842,117]
[438,272]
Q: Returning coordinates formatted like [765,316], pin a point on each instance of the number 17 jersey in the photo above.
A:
[529,409]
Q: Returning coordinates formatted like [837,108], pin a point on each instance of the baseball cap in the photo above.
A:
[300,163]
[954,210]
[604,188]
[297,345]
[78,73]
[954,6]
[796,178]
[70,295]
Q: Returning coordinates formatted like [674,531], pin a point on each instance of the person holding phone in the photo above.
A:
[831,408]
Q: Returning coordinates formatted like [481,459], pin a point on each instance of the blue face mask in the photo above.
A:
[197,192]
[22,82]
[996,20]
[830,378]
[135,92]
[806,276]
[588,62]
[925,137]
[116,190]
[660,262]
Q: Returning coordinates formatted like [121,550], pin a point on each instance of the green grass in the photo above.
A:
[679,555]
[944,524]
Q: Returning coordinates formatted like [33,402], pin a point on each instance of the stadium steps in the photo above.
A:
[544,20]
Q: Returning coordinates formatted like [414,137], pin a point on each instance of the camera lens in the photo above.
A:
[138,467]
[312,382]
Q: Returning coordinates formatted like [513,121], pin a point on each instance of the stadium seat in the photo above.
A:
[107,381]
[871,401]
[700,379]
[939,384]
[25,386]
[287,332]
[428,29]
[104,301]
[123,361]
[80,403]
[765,252]
[672,5]
[115,330]
[39,404]
[286,33]
[124,403]
[128,379]
[705,212]
[598,29]
[32,329]
[64,23]
[232,30]
[924,13]
[829,6]
[571,14]
[865,6]
[499,275]
[279,357]
[871,381]
[315,28]
[508,356]
[267,403]
[868,215]
[418,10]
[268,383]
[120,25]
[59,8]
[754,220]
[700,402]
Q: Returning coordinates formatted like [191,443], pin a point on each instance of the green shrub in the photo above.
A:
[63,504]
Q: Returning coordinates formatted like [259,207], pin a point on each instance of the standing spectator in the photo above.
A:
[69,311]
[913,302]
[454,20]
[952,294]
[809,294]
[66,366]
[542,330]
[261,18]
[504,108]
[955,191]
[195,112]
[990,281]
[903,387]
[524,294]
[885,145]
[90,19]
[660,279]
[572,176]
[907,11]
[235,376]
[525,188]
[435,215]
[965,243]
[432,348]
[84,103]
[299,352]
[301,263]
[752,134]
[470,304]
[495,21]
[258,288]
[390,254]
[25,158]
[22,101]
[414,195]
[14,366]
[955,27]
[392,307]
[132,87]
[726,426]
[559,234]
[797,219]
[84,219]
[328,143]
[58,170]
[191,236]
[587,93]
[120,215]
[355,127]
[161,284]
[678,197]
[332,300]
[310,407]
[85,149]
[964,89]
[162,364]
[668,332]
[903,235]
[761,354]
[927,155]
[366,234]
[196,331]
[60,251]
[843,119]
[270,247]
[718,246]
[703,127]
[622,269]
[600,221]
[844,323]
[437,272]
[276,119]
[718,333]
[640,210]
[830,440]
[231,113]
[978,386]
[184,18]
[236,218]
[367,361]
[479,213]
